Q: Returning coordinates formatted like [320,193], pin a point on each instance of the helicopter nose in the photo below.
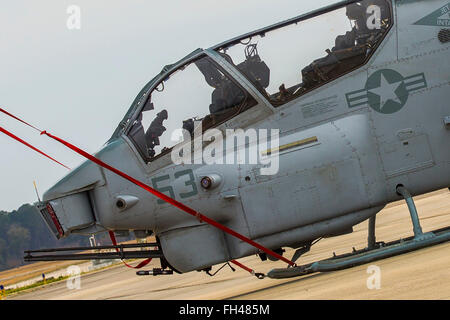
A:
[67,206]
[60,218]
[91,199]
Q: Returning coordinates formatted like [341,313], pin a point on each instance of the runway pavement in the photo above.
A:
[423,274]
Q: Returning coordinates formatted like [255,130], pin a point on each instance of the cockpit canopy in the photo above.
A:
[286,62]
[282,62]
[198,93]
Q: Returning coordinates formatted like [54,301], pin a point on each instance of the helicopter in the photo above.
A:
[274,139]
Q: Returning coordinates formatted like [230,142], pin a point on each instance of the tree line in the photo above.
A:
[24,229]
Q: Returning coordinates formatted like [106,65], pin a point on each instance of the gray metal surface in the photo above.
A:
[360,155]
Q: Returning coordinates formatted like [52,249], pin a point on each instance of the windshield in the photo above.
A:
[198,93]
[290,61]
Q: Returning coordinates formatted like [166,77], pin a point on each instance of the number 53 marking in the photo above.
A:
[189,183]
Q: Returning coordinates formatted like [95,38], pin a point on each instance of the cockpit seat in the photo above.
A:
[256,71]
[333,65]
[225,96]
[351,49]
[226,93]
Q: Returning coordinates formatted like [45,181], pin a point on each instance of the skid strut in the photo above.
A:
[418,234]
[371,240]
[375,250]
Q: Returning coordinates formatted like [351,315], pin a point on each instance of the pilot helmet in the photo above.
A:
[355,11]
[163,114]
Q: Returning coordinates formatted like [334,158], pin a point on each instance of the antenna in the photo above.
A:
[37,193]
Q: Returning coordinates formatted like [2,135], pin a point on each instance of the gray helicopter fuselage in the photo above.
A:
[341,157]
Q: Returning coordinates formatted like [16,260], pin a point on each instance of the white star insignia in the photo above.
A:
[386,91]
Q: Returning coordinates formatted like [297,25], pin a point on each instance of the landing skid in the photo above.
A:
[358,257]
[375,250]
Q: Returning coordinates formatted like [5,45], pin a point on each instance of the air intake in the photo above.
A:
[444,35]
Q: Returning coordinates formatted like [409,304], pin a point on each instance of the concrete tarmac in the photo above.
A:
[423,274]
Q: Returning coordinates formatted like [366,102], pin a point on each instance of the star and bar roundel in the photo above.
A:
[386,91]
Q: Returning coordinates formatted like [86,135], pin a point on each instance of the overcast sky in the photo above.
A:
[78,84]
